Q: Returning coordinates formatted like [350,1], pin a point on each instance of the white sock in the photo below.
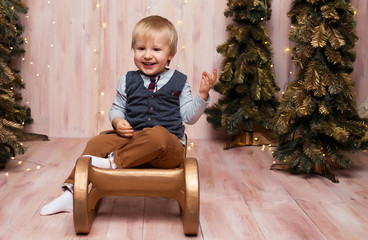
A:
[99,161]
[63,203]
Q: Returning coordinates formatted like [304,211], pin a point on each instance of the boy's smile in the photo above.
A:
[152,55]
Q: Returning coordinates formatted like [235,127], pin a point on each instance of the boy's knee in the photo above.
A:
[161,135]
[93,147]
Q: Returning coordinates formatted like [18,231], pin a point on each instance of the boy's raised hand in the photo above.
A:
[207,83]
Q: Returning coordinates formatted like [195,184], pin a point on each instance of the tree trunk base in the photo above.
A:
[33,137]
[260,136]
[323,170]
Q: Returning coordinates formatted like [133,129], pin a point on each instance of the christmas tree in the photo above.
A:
[12,115]
[246,81]
[317,119]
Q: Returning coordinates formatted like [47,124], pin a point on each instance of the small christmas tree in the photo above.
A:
[12,115]
[317,119]
[246,81]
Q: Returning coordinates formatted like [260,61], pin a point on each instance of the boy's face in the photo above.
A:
[151,56]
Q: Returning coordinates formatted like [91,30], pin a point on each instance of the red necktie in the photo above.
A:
[152,87]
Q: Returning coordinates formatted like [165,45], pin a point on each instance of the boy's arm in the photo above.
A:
[191,109]
[117,111]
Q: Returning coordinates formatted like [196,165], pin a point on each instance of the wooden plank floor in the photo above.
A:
[240,199]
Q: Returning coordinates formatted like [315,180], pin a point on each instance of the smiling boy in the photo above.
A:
[148,112]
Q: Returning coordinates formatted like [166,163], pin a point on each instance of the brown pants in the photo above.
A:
[154,146]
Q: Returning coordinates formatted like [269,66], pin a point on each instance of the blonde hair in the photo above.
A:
[149,26]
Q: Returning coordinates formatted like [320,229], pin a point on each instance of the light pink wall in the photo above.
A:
[77,51]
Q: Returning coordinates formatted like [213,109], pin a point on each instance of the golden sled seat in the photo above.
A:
[181,183]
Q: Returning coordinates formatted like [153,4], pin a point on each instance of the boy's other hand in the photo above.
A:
[123,128]
[207,83]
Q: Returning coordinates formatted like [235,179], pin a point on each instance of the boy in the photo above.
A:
[148,112]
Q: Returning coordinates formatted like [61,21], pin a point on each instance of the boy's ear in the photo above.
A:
[171,56]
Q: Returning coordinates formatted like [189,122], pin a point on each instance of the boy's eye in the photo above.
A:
[156,49]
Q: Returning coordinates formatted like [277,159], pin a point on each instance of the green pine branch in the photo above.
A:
[13,115]
[246,82]
[317,120]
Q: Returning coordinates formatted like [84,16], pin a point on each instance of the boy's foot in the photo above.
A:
[64,203]
[103,162]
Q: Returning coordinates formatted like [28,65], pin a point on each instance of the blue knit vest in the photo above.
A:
[147,109]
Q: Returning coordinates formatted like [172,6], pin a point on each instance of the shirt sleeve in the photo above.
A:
[118,106]
[191,109]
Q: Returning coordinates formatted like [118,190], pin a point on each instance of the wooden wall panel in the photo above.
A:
[360,73]
[77,50]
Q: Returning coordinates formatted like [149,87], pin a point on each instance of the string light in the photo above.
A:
[7,174]
[98,5]
[104,25]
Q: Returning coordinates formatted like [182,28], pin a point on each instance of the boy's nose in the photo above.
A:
[148,54]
